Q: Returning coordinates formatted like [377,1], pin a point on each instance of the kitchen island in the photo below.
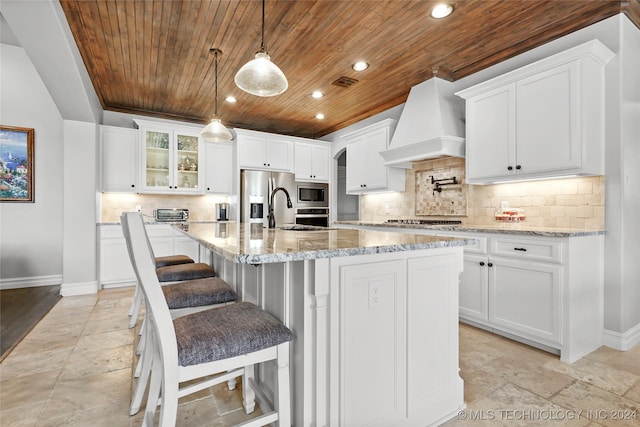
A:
[375,317]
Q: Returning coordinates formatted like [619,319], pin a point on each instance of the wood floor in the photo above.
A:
[21,310]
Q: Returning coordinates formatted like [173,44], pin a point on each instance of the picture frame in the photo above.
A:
[16,164]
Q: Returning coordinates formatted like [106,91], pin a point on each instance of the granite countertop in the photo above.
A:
[254,244]
[520,228]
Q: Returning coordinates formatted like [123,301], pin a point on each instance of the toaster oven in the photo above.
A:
[171,215]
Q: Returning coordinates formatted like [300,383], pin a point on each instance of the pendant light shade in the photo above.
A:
[260,76]
[215,131]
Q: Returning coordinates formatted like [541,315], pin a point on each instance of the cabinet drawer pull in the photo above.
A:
[520,249]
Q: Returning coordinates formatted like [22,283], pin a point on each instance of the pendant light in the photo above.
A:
[260,76]
[215,131]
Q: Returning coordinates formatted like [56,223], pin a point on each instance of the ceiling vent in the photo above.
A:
[344,81]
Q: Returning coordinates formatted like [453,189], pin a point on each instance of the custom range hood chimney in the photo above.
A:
[430,126]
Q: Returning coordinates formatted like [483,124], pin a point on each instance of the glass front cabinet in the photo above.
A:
[171,159]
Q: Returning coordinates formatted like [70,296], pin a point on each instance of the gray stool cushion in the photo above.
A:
[196,293]
[163,261]
[173,273]
[228,331]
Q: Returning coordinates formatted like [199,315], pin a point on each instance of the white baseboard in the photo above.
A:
[621,341]
[71,289]
[30,282]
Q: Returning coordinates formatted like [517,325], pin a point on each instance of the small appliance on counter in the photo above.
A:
[222,211]
[176,216]
[171,215]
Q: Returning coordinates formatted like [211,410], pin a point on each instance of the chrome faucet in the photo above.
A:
[272,217]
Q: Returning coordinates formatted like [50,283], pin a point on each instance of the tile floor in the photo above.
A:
[74,369]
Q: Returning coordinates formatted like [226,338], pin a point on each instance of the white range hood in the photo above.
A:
[430,126]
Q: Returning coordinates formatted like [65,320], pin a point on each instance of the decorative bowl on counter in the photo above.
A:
[510,215]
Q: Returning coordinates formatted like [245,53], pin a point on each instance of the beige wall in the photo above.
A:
[568,202]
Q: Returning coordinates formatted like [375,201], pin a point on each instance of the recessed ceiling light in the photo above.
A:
[319,116]
[230,99]
[441,10]
[360,66]
[317,94]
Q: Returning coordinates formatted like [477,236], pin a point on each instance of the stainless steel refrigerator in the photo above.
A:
[255,189]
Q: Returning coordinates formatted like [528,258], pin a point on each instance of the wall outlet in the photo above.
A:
[374,295]
[138,208]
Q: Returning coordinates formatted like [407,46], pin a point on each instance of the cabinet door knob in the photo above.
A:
[482,263]
[208,189]
[490,264]
[509,168]
[518,167]
[133,185]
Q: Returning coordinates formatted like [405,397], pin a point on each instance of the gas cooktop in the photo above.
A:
[425,221]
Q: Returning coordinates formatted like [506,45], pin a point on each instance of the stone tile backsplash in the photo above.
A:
[568,202]
[201,208]
[451,199]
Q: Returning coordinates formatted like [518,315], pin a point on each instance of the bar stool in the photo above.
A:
[162,261]
[211,346]
[171,268]
[182,298]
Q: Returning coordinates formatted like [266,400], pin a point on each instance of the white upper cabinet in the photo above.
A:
[119,159]
[218,167]
[491,126]
[366,170]
[264,151]
[540,121]
[171,159]
[312,161]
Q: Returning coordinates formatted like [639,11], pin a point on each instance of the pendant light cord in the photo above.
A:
[262,48]
[215,52]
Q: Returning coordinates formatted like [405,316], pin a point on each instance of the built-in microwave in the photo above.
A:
[312,195]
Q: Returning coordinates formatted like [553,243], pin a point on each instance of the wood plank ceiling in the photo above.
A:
[152,57]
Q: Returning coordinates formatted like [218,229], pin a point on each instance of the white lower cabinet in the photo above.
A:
[394,338]
[544,291]
[115,267]
[474,288]
[525,298]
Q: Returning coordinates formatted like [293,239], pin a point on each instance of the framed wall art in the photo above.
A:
[16,164]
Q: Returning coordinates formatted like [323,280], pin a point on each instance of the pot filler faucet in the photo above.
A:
[272,217]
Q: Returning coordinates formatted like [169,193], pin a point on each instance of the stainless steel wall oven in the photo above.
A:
[312,216]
